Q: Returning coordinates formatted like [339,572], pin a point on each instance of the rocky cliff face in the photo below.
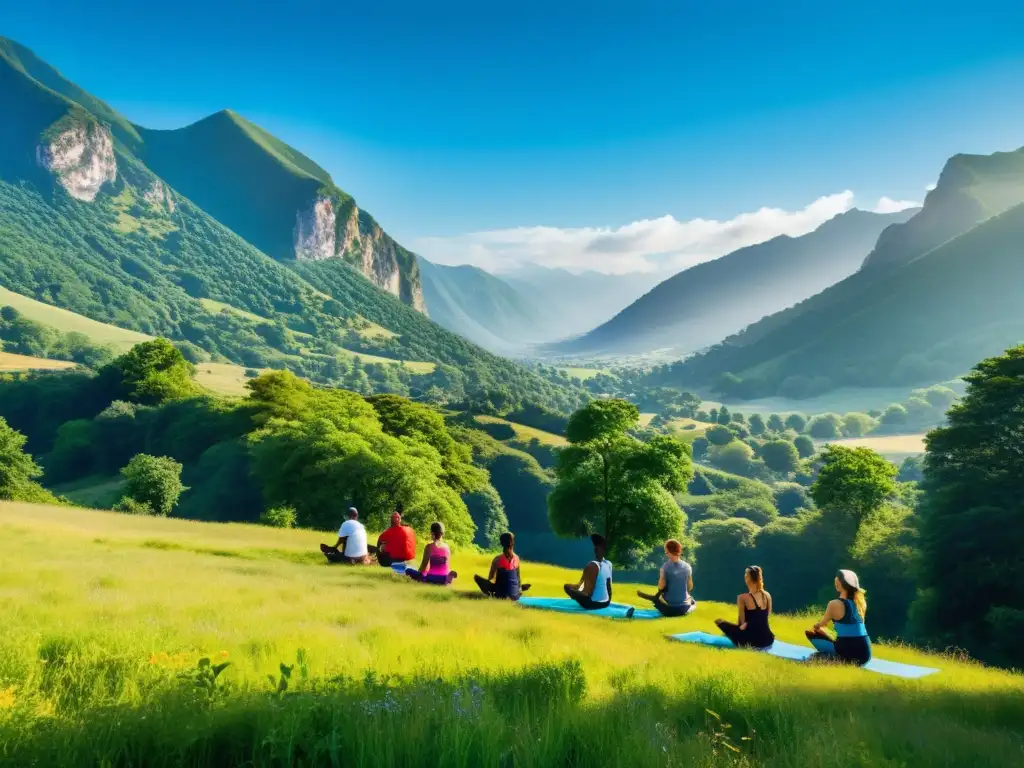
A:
[360,241]
[159,196]
[81,157]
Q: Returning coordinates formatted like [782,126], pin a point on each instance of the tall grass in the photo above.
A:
[107,620]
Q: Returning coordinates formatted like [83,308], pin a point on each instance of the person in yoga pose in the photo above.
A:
[397,544]
[751,629]
[351,546]
[504,581]
[675,581]
[437,555]
[594,589]
[846,613]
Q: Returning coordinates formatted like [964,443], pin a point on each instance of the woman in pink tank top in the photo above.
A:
[436,565]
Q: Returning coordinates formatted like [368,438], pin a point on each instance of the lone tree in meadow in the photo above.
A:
[972,517]
[609,482]
[154,481]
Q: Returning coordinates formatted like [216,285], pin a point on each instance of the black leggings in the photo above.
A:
[852,650]
[584,601]
[744,638]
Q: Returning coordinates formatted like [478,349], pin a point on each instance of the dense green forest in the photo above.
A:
[759,489]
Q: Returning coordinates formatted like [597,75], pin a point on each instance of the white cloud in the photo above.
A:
[930,187]
[644,246]
[888,205]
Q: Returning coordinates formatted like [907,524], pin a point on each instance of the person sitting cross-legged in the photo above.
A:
[351,546]
[436,565]
[594,589]
[397,544]
[504,581]
[675,581]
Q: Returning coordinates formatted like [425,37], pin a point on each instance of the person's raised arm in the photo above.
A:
[831,614]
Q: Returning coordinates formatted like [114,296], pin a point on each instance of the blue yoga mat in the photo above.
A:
[565,605]
[803,653]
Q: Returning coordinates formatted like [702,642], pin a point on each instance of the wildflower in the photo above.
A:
[7,697]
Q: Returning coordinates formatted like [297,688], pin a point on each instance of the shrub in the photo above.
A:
[857,424]
[827,426]
[780,456]
[154,480]
[278,517]
[895,415]
[735,457]
[796,421]
[719,435]
[804,446]
[130,506]
[790,498]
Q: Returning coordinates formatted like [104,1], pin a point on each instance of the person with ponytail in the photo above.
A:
[504,581]
[436,565]
[751,629]
[846,613]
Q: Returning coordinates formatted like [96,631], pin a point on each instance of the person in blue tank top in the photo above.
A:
[851,643]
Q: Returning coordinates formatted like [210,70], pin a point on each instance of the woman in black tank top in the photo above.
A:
[752,629]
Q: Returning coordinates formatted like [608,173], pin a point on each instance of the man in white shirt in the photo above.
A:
[351,546]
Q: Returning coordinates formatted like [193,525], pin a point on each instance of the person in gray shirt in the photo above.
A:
[675,581]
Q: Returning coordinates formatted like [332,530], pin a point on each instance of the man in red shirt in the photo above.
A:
[397,544]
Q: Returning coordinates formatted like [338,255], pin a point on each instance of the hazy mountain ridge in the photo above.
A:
[705,303]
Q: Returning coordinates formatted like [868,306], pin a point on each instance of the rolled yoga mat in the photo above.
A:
[566,605]
[803,653]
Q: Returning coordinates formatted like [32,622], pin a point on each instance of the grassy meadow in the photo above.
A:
[11,362]
[893,447]
[108,619]
[101,333]
[525,433]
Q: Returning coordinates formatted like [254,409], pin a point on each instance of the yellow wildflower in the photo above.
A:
[7,697]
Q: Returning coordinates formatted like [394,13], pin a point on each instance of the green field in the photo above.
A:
[583,373]
[107,619]
[12,362]
[893,447]
[525,433]
[63,320]
[216,307]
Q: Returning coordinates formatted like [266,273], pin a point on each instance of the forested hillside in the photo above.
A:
[922,322]
[710,301]
[87,226]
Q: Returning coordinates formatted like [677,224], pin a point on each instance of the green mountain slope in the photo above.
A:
[925,321]
[479,306]
[710,301]
[85,225]
[971,188]
[276,198]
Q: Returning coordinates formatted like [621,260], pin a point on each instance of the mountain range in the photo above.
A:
[222,238]
[705,303]
[936,294]
[512,312]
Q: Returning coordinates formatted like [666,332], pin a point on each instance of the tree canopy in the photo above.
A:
[610,483]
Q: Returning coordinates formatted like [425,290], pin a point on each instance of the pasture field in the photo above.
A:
[584,373]
[893,447]
[10,362]
[63,320]
[116,629]
[525,433]
[223,378]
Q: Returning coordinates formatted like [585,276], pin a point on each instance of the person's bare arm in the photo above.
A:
[590,578]
[661,579]
[769,596]
[340,546]
[494,570]
[582,580]
[831,614]
[426,559]
[689,582]
[741,612]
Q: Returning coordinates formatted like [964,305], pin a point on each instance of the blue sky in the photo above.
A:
[447,118]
